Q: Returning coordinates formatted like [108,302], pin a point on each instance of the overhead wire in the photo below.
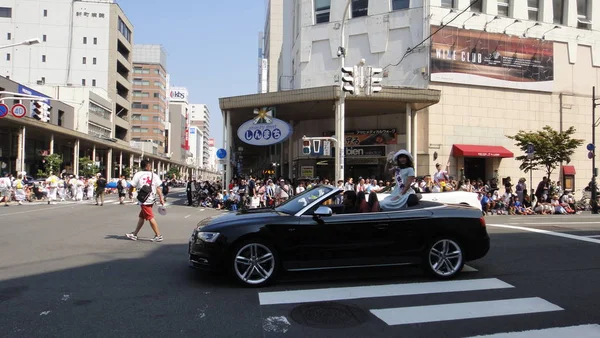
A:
[410,50]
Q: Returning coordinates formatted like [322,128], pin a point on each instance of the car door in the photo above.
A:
[408,228]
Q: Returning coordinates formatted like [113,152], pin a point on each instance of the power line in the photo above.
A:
[410,50]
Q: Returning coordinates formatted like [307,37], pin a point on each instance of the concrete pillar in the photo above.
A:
[20,152]
[131,163]
[229,148]
[109,160]
[153,165]
[290,151]
[409,128]
[76,158]
[94,153]
[51,147]
[120,163]
[415,149]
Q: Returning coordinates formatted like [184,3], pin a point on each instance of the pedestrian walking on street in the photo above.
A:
[147,185]
[5,189]
[100,187]
[121,188]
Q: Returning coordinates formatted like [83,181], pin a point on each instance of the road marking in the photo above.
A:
[390,290]
[187,216]
[580,331]
[594,236]
[455,311]
[546,232]
[30,211]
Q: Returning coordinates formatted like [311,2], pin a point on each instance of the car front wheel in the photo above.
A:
[254,263]
[443,258]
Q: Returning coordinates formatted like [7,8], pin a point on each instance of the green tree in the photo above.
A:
[551,148]
[87,167]
[173,171]
[52,164]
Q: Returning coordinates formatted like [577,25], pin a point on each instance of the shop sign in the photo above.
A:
[307,171]
[366,151]
[491,59]
[268,172]
[370,137]
[264,131]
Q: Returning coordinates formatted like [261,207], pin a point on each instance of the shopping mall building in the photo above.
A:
[488,71]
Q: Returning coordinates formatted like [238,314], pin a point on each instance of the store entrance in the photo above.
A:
[475,168]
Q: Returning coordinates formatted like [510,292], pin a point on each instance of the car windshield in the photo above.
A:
[296,204]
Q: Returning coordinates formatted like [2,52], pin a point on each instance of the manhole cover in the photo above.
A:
[329,315]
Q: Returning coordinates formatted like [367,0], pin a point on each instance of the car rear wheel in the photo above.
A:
[254,263]
[443,258]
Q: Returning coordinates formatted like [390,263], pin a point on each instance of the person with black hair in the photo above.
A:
[147,184]
[404,175]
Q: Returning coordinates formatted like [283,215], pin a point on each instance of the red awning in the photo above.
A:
[468,150]
[568,170]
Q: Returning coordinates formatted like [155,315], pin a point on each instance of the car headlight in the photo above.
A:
[209,237]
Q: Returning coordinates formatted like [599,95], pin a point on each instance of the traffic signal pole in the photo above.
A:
[340,119]
[594,188]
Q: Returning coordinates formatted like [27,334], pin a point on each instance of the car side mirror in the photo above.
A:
[323,211]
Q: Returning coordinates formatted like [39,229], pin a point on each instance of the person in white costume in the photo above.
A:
[79,183]
[19,187]
[52,184]
[61,189]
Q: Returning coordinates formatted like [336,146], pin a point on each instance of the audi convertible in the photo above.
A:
[311,232]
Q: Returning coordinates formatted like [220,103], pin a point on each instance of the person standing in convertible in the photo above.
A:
[404,174]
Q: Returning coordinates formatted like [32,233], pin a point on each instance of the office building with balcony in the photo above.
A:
[149,96]
[200,118]
[82,44]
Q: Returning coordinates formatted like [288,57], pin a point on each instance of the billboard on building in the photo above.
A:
[369,137]
[491,59]
[178,94]
[211,142]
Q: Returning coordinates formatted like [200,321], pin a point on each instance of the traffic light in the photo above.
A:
[349,80]
[374,82]
[40,111]
[306,147]
[316,146]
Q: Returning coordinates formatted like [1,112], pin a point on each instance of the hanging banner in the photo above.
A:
[491,59]
[369,137]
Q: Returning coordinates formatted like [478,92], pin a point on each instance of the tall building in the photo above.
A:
[178,132]
[82,44]
[149,95]
[500,65]
[200,117]
[272,39]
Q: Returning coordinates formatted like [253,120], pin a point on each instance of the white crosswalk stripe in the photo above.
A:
[431,313]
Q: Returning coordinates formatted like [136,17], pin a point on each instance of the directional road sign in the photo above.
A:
[3,110]
[221,153]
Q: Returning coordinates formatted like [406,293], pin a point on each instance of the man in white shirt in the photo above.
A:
[5,189]
[142,178]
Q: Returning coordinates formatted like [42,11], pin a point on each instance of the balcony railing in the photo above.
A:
[286,83]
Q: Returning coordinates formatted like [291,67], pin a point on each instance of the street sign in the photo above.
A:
[326,148]
[530,149]
[222,161]
[19,110]
[3,110]
[590,147]
[221,153]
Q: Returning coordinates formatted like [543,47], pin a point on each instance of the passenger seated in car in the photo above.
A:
[404,174]
[350,206]
[373,202]
[361,202]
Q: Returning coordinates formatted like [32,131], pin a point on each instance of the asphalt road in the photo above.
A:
[67,270]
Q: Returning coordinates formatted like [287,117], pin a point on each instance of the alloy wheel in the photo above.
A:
[445,257]
[254,263]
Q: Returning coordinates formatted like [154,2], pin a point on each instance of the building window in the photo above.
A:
[45,12]
[400,4]
[156,118]
[94,60]
[477,7]
[43,80]
[139,93]
[85,40]
[448,3]
[583,20]
[8,36]
[360,8]
[99,111]
[125,31]
[43,58]
[322,8]
[61,118]
[84,60]
[533,7]
[83,82]
[157,131]
[5,12]
[44,38]
[156,95]
[93,82]
[503,7]
[558,11]
[95,41]
[139,105]
[155,107]
[7,56]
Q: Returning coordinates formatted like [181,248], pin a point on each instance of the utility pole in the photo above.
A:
[593,187]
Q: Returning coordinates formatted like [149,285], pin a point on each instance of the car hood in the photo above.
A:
[234,219]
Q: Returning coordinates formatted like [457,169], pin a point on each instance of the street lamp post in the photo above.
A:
[593,187]
[341,111]
[28,42]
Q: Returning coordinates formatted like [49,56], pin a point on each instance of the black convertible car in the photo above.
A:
[310,233]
